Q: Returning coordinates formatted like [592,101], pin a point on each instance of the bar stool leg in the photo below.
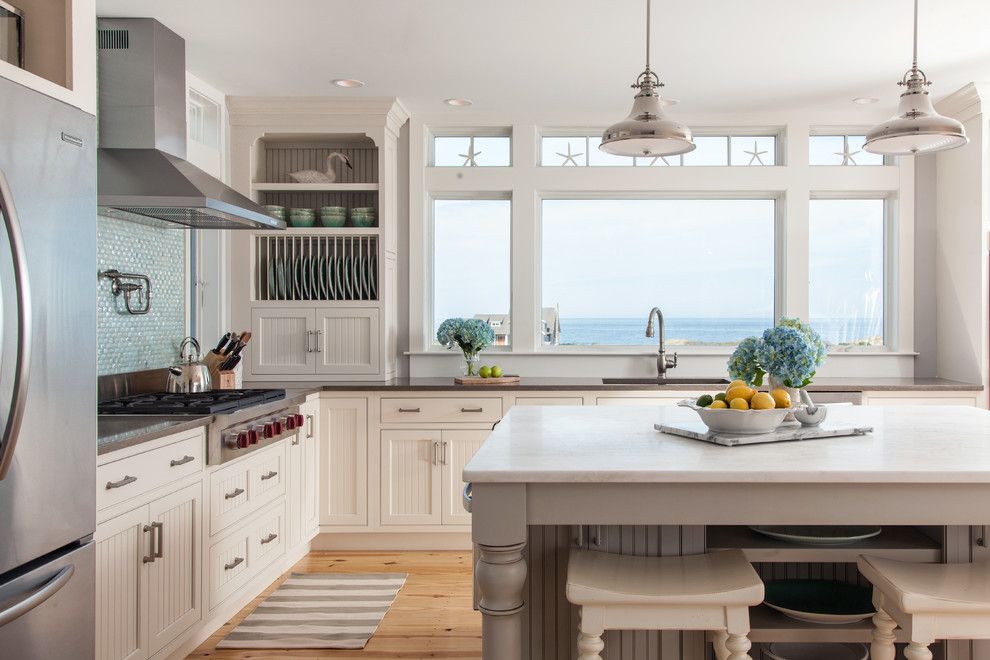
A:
[721,653]
[589,641]
[882,647]
[739,645]
[918,651]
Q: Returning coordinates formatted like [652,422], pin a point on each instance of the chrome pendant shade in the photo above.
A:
[646,131]
[916,128]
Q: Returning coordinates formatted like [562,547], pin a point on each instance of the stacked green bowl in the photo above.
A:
[276,211]
[363,216]
[302,217]
[333,216]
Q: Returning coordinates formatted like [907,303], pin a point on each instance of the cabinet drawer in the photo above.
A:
[129,477]
[444,410]
[229,566]
[267,538]
[245,486]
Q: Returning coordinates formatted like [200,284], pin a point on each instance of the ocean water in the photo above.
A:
[721,331]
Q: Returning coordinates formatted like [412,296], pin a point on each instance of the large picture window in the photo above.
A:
[707,263]
[846,269]
[471,262]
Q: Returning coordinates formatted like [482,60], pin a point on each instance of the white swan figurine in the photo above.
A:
[315,176]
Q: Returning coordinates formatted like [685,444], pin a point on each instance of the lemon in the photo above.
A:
[781,397]
[762,401]
[736,383]
[718,404]
[704,400]
[739,403]
[740,393]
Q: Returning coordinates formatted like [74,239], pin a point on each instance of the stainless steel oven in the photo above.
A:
[11,34]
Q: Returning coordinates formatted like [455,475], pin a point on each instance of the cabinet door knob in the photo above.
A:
[237,492]
[234,564]
[181,461]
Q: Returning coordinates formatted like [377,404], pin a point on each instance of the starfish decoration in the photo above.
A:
[470,155]
[847,156]
[656,158]
[570,157]
[755,154]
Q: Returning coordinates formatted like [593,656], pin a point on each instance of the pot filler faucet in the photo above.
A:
[663,362]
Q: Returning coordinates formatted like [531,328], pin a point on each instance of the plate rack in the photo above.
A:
[316,268]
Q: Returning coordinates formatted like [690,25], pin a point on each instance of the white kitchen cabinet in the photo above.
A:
[343,458]
[456,449]
[149,575]
[410,477]
[284,341]
[347,341]
[303,484]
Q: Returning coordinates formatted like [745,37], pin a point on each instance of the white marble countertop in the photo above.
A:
[600,444]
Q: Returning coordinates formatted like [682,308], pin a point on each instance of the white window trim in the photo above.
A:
[793,182]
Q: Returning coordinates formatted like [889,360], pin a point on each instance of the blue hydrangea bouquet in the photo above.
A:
[471,335]
[789,353]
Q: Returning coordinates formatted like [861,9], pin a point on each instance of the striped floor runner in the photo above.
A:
[318,611]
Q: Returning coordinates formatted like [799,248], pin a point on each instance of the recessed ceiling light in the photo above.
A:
[865,100]
[348,82]
[459,103]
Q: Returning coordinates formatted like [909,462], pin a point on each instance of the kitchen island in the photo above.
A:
[549,476]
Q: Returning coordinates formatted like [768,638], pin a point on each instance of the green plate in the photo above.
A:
[820,601]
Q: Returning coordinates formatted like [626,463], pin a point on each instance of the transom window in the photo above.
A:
[840,150]
[710,150]
[472,151]
[707,263]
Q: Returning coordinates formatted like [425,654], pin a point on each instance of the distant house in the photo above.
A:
[501,324]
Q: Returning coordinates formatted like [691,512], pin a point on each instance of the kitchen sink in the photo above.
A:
[664,381]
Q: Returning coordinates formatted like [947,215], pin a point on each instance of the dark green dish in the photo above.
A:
[820,601]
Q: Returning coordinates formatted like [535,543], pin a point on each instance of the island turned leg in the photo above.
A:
[718,645]
[918,651]
[738,646]
[883,647]
[591,627]
[501,575]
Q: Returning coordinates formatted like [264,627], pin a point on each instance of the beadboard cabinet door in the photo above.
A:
[310,485]
[456,450]
[284,341]
[410,478]
[121,587]
[175,577]
[347,341]
[344,462]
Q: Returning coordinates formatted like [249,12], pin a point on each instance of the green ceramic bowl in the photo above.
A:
[276,211]
[363,221]
[333,220]
[363,210]
[302,217]
[333,210]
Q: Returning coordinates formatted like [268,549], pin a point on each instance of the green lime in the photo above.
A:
[496,371]
[485,371]
[704,400]
[720,396]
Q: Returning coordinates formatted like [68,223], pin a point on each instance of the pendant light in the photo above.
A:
[916,128]
[646,132]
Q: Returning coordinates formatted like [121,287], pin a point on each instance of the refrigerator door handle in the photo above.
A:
[22,365]
[36,597]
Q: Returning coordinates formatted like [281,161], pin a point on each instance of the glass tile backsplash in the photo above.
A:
[133,343]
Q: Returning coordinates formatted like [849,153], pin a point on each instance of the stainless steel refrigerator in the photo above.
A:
[47,377]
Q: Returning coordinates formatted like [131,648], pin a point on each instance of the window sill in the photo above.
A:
[621,351]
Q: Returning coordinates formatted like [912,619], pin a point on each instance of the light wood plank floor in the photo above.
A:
[431,617]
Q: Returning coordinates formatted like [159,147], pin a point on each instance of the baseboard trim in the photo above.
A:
[392,541]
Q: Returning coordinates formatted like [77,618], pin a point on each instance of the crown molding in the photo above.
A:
[966,102]
[247,110]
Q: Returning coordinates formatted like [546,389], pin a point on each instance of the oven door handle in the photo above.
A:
[22,365]
[31,599]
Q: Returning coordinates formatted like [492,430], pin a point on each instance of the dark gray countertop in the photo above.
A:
[121,431]
[582,384]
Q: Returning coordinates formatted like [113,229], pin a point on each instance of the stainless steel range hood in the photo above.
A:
[142,172]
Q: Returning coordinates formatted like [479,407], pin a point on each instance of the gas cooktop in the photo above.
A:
[192,403]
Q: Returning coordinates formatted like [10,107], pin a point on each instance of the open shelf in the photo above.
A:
[768,625]
[323,231]
[314,187]
[901,543]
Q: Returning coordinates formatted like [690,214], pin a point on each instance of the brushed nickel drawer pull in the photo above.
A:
[149,558]
[160,526]
[472,410]
[181,461]
[268,539]
[408,410]
[237,492]
[271,475]
[123,482]
[234,564]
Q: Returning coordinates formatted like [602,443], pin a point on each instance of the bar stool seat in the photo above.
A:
[711,592]
[928,601]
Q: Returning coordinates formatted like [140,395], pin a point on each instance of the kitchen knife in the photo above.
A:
[223,342]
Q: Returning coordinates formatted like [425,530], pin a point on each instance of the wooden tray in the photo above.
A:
[478,380]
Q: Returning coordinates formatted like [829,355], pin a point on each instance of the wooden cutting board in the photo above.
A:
[478,380]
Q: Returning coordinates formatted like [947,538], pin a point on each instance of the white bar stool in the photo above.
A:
[696,592]
[928,601]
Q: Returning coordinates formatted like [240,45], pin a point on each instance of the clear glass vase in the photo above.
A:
[471,361]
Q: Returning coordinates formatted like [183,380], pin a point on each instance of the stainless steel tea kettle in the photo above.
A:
[190,375]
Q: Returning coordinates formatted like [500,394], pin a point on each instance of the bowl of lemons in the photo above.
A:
[742,410]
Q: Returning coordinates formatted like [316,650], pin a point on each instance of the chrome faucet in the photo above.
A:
[663,362]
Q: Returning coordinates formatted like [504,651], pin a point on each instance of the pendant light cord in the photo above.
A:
[648,2]
[914,60]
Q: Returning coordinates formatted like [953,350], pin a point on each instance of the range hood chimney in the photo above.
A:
[143,175]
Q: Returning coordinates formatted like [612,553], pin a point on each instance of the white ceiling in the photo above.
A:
[566,56]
